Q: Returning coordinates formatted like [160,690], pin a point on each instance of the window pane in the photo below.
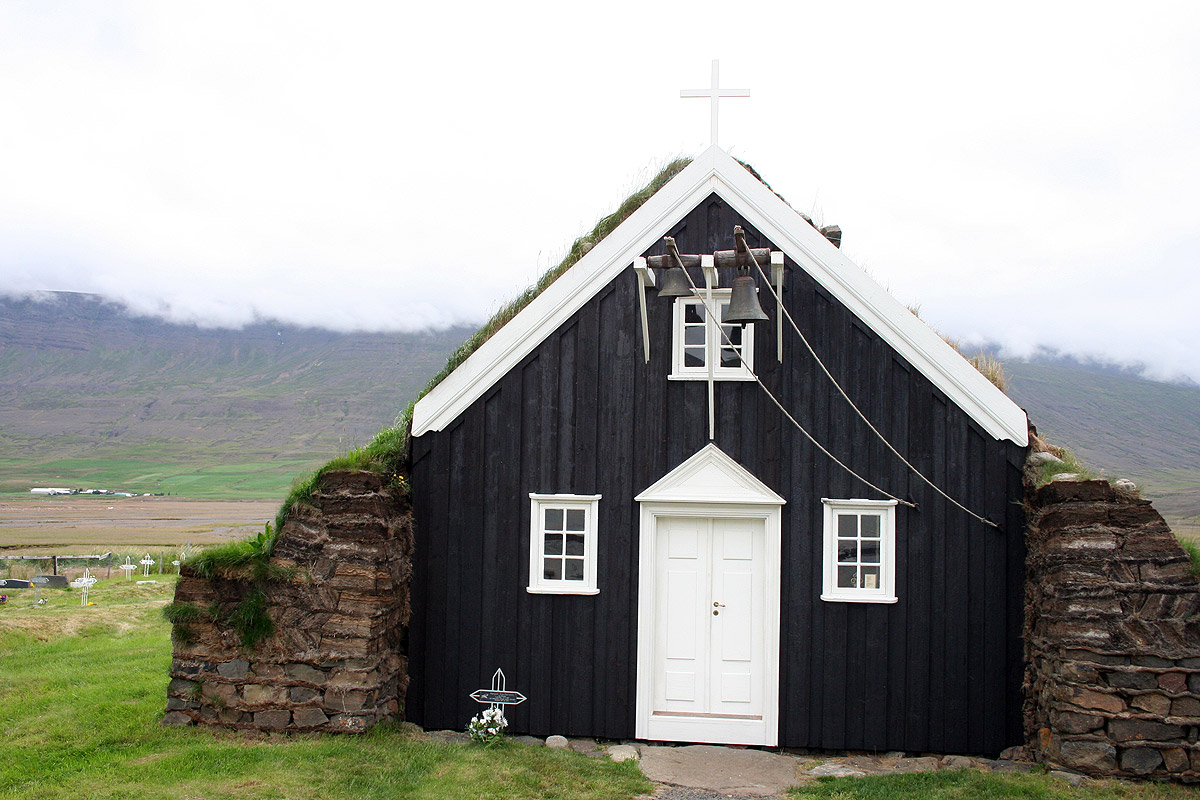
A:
[554,519]
[574,569]
[552,569]
[693,313]
[870,552]
[870,525]
[575,517]
[554,544]
[574,544]
[870,578]
[693,334]
[847,525]
[730,358]
[693,357]
[846,576]
[847,550]
[734,332]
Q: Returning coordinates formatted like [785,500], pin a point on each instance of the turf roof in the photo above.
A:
[388,451]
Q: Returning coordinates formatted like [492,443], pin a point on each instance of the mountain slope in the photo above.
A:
[1119,424]
[89,394]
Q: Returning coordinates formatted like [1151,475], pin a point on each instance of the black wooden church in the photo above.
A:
[612,507]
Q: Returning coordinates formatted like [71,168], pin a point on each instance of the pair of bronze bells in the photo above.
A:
[743,308]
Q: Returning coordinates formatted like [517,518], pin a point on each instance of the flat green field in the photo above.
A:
[213,477]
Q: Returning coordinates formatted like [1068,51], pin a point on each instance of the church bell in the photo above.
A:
[675,282]
[743,303]
[743,297]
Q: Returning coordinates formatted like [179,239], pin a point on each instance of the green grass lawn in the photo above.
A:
[82,691]
[973,785]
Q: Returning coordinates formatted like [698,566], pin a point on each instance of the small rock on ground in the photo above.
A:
[623,752]
[557,742]
[835,771]
[1072,778]
[532,741]
[448,736]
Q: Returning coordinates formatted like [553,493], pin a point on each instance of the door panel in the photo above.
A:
[708,618]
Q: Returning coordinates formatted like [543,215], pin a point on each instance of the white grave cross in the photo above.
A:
[146,563]
[714,94]
[128,567]
[86,583]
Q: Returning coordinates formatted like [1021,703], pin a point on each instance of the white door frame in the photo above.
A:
[717,730]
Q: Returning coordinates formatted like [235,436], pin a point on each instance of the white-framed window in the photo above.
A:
[860,551]
[697,342]
[562,543]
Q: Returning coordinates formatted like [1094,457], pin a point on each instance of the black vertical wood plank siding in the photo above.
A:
[920,618]
[583,414]
[898,615]
[538,659]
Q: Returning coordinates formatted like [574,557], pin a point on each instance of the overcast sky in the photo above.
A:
[1025,172]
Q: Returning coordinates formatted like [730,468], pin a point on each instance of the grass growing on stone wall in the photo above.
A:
[1071,465]
[385,454]
[83,690]
[245,558]
[1193,551]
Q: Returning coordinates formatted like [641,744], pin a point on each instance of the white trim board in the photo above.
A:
[715,171]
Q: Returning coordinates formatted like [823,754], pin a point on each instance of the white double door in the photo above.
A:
[712,669]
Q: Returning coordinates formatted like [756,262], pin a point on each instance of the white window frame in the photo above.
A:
[712,342]
[590,505]
[886,591]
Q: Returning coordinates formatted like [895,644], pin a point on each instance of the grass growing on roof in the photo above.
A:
[579,249]
[388,451]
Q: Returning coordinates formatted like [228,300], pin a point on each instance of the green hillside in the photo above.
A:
[92,397]
[1121,425]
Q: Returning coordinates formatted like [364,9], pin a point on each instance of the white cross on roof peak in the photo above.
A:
[714,93]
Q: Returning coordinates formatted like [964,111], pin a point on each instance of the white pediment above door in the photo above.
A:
[710,476]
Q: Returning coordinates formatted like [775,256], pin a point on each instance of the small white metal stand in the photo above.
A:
[85,583]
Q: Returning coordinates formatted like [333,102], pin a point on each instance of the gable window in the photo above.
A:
[860,551]
[697,341]
[562,543]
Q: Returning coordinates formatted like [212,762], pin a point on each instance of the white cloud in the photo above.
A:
[1026,173]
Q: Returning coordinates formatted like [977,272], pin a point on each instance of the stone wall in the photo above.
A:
[335,660]
[1112,636]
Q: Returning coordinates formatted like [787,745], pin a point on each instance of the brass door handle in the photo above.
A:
[718,605]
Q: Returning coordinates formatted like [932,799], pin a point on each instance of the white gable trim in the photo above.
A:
[710,476]
[715,171]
